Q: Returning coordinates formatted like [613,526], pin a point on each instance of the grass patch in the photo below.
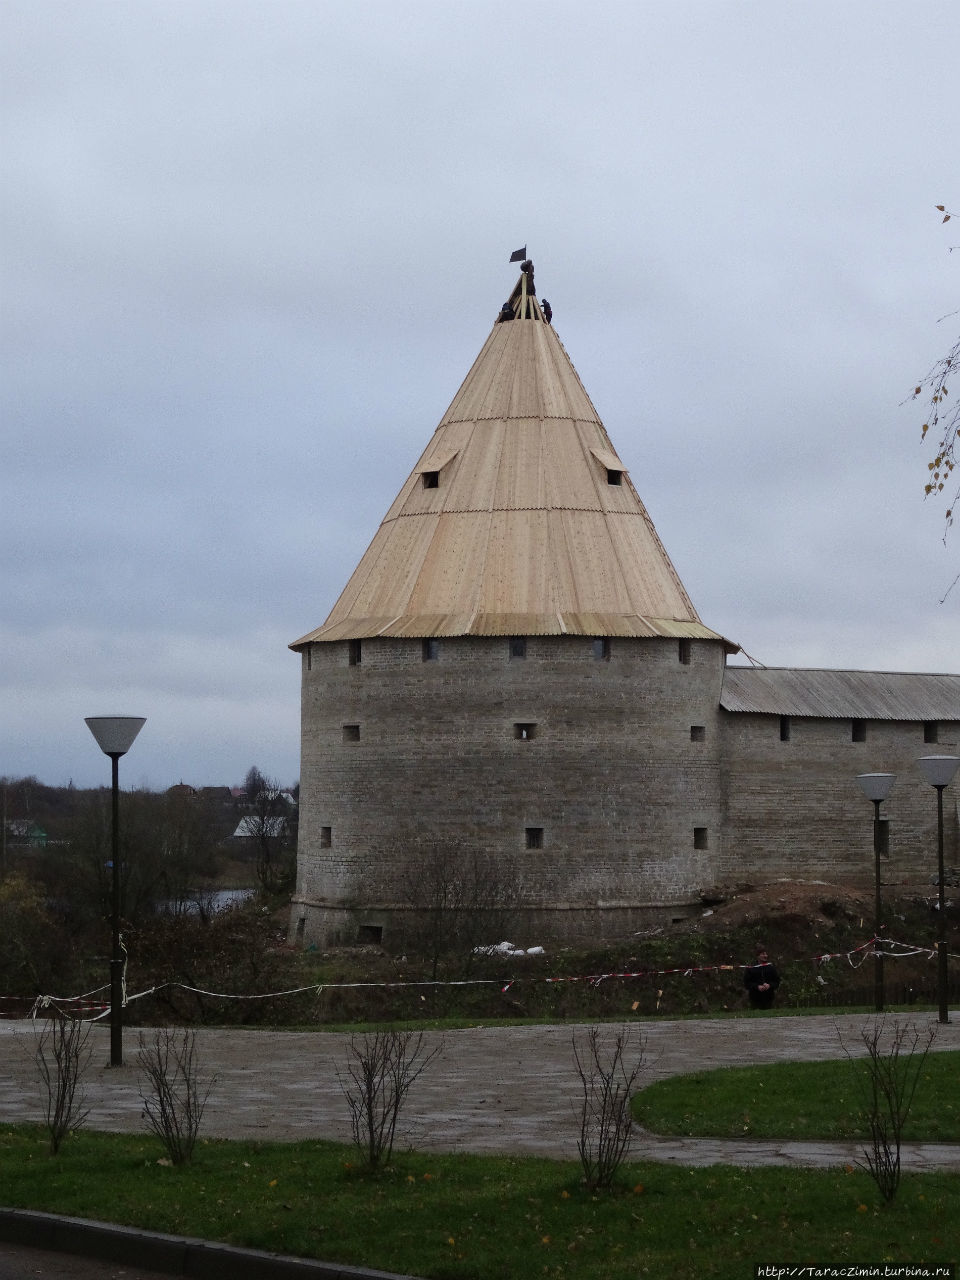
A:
[484,1218]
[798,1100]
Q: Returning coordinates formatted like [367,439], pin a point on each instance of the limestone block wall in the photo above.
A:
[597,777]
[793,808]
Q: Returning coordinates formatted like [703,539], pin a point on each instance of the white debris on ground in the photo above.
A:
[507,949]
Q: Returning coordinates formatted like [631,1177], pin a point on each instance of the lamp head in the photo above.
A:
[876,786]
[939,770]
[115,734]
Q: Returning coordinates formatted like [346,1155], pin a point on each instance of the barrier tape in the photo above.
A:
[855,958]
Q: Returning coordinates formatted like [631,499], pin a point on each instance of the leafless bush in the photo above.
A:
[379,1073]
[173,1093]
[607,1078]
[62,1055]
[888,1076]
[460,898]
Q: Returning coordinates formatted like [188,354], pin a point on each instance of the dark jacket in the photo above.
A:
[754,976]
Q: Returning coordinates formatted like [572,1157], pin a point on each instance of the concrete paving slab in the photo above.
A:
[490,1089]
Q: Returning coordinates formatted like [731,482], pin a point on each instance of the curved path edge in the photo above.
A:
[490,1090]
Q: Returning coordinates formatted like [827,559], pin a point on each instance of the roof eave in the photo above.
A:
[630,626]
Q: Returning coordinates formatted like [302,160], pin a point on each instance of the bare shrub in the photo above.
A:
[379,1073]
[888,1076]
[62,1055]
[459,897]
[173,1093]
[607,1079]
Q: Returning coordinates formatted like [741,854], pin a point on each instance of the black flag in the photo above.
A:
[518,255]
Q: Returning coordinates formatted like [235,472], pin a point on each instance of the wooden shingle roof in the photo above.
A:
[519,518]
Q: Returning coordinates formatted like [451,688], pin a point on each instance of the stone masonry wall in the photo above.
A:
[793,809]
[621,773]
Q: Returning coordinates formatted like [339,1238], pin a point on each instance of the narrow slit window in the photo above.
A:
[431,479]
[700,838]
[601,648]
[683,652]
[931,731]
[614,476]
[308,654]
[534,837]
[326,837]
[858,730]
[784,728]
[698,733]
[525,730]
[354,653]
[351,733]
[518,646]
[431,649]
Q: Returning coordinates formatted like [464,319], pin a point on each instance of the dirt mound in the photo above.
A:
[817,902]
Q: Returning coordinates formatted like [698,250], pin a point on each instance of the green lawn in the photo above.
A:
[485,1218]
[446,1217]
[795,1100]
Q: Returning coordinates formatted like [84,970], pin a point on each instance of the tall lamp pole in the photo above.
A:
[876,787]
[939,771]
[115,735]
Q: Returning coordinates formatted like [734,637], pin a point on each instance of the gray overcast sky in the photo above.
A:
[251,249]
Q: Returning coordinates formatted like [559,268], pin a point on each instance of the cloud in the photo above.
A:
[251,250]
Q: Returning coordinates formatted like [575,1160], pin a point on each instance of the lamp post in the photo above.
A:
[115,735]
[876,787]
[939,771]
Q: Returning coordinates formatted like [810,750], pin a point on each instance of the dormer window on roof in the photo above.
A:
[429,469]
[519,518]
[611,465]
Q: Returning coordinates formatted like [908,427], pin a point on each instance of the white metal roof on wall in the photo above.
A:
[861,695]
[522,534]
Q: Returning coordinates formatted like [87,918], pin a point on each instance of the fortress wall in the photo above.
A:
[612,775]
[793,809]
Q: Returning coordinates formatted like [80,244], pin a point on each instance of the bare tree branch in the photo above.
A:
[943,419]
[888,1077]
[607,1081]
[62,1056]
[175,1095]
[379,1074]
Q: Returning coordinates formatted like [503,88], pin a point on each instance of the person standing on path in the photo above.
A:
[761,980]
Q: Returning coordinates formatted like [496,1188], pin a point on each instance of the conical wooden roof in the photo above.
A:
[519,518]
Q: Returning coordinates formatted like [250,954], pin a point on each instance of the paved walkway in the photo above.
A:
[491,1089]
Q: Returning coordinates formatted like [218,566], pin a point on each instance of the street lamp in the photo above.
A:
[939,771]
[115,735]
[876,787]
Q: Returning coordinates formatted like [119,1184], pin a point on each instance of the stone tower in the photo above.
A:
[514,667]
